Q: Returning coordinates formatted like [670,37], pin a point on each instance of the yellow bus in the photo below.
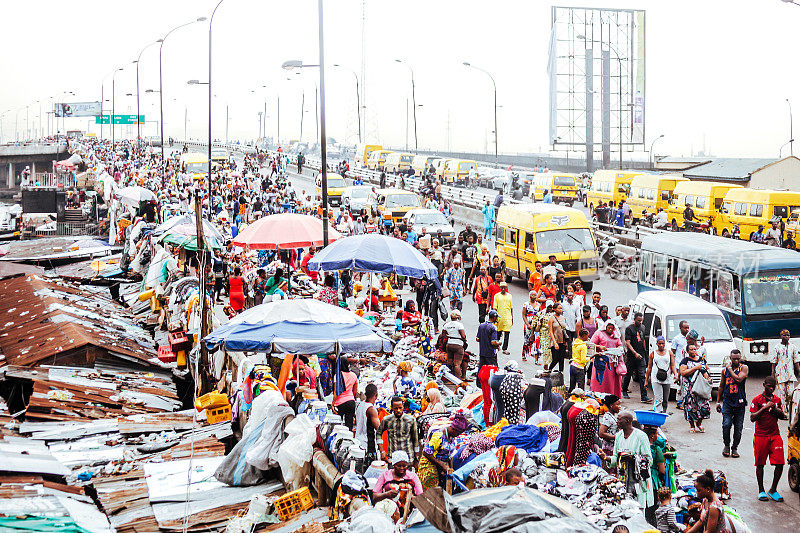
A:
[398,162]
[609,186]
[560,185]
[527,233]
[392,203]
[651,191]
[336,186]
[440,166]
[377,159]
[420,163]
[751,208]
[705,197]
[194,165]
[362,153]
[460,171]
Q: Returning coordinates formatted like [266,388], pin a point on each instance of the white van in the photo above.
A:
[663,312]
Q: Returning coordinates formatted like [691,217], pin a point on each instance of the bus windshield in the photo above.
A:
[336,183]
[564,240]
[712,327]
[563,181]
[197,168]
[768,293]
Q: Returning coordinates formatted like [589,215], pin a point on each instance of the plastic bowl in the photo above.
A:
[650,418]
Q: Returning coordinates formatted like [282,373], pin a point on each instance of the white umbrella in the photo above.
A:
[133,195]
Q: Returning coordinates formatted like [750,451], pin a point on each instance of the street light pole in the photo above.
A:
[650,153]
[113,110]
[791,129]
[323,140]
[161,82]
[138,128]
[210,23]
[494,86]
[358,98]
[413,101]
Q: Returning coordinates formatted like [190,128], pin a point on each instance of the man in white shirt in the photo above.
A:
[623,320]
[662,219]
[571,309]
[773,235]
[552,268]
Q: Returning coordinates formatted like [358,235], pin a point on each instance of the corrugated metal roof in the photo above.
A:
[735,169]
[41,320]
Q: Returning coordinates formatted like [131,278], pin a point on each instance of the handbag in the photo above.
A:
[622,368]
[661,374]
[443,310]
[701,387]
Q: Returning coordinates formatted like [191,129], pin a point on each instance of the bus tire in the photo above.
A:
[587,286]
[794,476]
[726,234]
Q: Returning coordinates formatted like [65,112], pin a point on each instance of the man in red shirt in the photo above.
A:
[765,410]
[494,288]
[304,264]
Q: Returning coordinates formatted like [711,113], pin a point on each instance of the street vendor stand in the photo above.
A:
[285,231]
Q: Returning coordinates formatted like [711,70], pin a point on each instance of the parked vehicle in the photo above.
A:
[618,264]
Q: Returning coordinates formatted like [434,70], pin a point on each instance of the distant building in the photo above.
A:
[756,173]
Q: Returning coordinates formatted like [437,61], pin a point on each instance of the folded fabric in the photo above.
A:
[464,472]
[529,438]
[493,431]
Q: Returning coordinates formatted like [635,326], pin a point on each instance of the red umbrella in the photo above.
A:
[284,231]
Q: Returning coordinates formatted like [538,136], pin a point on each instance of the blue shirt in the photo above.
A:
[487,332]
[411,237]
[548,198]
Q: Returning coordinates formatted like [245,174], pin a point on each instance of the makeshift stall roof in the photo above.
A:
[373,253]
[304,326]
[46,321]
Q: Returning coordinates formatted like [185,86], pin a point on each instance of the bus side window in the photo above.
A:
[661,268]
[720,206]
[644,268]
[501,233]
[512,236]
[756,210]
[739,209]
[529,241]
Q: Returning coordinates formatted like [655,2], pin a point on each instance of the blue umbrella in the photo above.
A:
[374,253]
[303,326]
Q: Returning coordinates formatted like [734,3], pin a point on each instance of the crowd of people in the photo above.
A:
[587,359]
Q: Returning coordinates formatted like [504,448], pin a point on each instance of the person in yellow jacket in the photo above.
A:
[502,304]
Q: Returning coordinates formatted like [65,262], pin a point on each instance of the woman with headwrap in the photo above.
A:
[511,390]
[506,458]
[404,385]
[434,466]
[435,403]
[577,396]
[585,435]
[608,423]
[607,366]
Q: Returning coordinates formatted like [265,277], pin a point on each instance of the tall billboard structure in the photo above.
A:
[596,70]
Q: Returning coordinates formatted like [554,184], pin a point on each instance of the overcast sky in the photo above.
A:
[718,71]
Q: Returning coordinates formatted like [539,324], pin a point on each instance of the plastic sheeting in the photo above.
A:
[505,509]
[294,455]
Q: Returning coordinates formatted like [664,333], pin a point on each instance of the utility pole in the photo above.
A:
[203,383]
[227,118]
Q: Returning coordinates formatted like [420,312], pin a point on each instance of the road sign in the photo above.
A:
[124,120]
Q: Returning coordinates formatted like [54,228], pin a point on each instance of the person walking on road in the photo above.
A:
[785,361]
[480,292]
[456,344]
[732,402]
[488,340]
[637,352]
[529,310]
[454,279]
[557,328]
[695,409]
[663,362]
[488,220]
[504,307]
[765,410]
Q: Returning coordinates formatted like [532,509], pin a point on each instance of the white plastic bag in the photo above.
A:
[294,455]
[261,406]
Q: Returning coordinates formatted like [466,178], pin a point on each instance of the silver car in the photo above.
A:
[355,197]
[433,221]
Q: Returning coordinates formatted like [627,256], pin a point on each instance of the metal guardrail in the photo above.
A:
[48,180]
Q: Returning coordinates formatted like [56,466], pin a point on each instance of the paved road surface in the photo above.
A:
[695,451]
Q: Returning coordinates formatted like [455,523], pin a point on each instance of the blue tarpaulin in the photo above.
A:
[374,253]
[299,326]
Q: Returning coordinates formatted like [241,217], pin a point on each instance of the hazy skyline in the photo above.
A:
[718,72]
